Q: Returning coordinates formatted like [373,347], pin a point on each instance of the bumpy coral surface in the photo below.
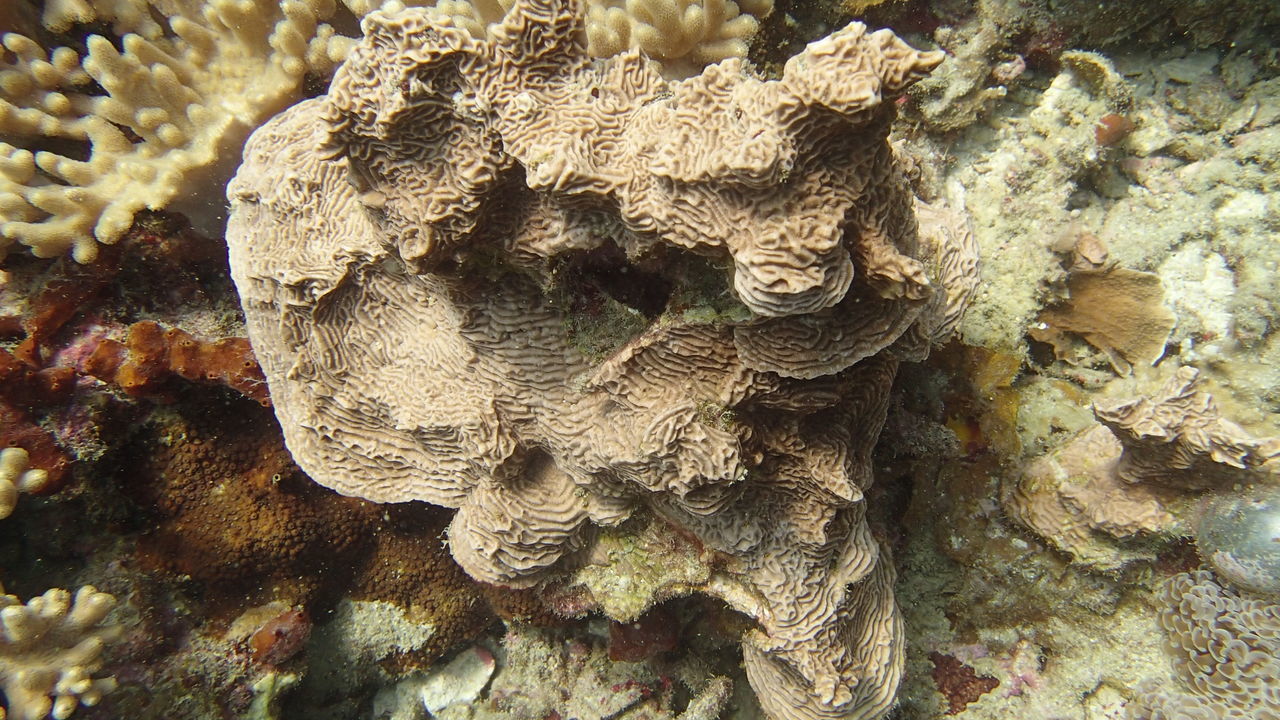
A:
[417,252]
[230,509]
[150,355]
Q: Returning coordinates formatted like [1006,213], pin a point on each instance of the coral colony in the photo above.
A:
[445,182]
[645,360]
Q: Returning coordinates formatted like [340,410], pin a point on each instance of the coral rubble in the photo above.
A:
[405,250]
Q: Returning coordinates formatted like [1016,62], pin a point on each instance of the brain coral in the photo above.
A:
[416,252]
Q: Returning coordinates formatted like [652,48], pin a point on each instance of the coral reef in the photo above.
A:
[751,434]
[1118,160]
[146,115]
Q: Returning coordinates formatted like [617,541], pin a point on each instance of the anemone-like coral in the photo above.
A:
[413,253]
[1224,647]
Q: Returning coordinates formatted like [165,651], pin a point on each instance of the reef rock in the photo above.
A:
[421,252]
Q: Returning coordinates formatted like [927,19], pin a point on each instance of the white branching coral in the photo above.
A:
[91,139]
[16,476]
[50,649]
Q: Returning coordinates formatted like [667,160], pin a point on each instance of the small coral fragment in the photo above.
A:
[1178,438]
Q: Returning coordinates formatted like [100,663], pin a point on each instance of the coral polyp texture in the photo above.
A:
[421,253]
[50,649]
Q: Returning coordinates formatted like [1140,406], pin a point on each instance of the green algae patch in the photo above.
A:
[637,565]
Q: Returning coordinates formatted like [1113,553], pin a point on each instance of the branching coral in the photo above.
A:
[49,650]
[92,139]
[16,476]
[51,647]
[410,250]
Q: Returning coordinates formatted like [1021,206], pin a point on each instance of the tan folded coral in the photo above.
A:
[420,252]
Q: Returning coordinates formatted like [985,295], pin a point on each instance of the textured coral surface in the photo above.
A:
[406,250]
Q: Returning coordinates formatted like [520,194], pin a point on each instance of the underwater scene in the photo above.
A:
[640,360]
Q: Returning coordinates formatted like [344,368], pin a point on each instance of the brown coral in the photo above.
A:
[1178,438]
[408,565]
[1117,311]
[233,511]
[399,244]
[1119,479]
